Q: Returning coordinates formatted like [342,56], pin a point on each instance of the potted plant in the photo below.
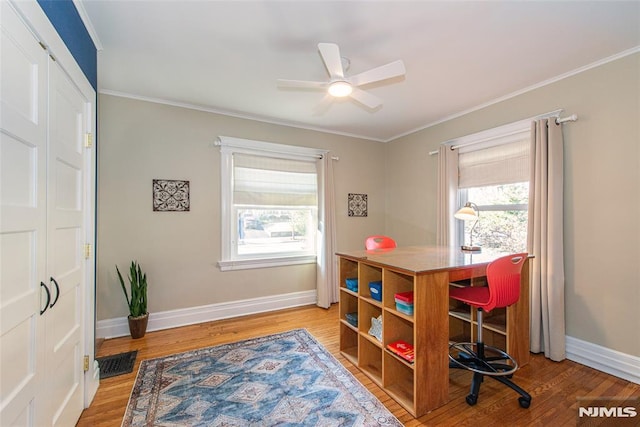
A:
[138,315]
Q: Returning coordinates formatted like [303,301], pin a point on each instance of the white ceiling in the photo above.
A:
[226,56]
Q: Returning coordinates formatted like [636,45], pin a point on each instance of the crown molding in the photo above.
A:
[531,88]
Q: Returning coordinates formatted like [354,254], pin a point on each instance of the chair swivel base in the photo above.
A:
[468,357]
[484,360]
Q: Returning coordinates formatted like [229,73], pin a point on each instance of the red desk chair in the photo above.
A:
[503,277]
[379,242]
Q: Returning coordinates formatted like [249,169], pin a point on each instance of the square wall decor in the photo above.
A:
[170,195]
[357,204]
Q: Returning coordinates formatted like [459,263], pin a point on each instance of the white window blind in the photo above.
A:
[501,164]
[267,181]
[269,203]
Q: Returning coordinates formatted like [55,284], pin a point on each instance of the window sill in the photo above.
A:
[245,264]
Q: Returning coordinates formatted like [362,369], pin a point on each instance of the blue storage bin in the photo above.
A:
[404,307]
[375,288]
[352,318]
[352,284]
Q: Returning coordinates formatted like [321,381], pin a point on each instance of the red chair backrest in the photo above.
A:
[379,242]
[503,277]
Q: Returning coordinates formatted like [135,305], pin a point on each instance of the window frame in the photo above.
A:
[489,138]
[228,146]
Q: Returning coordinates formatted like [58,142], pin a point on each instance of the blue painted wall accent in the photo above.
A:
[66,20]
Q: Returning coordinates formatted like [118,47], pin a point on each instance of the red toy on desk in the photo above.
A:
[402,349]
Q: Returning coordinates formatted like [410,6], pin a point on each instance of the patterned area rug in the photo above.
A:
[285,379]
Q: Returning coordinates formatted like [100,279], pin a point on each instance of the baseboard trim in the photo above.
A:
[603,359]
[119,327]
[597,357]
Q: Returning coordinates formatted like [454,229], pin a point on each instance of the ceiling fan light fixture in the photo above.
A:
[340,89]
[340,86]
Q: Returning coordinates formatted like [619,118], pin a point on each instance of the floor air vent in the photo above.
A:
[117,364]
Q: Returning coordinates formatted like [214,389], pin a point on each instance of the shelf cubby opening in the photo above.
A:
[393,283]
[494,339]
[367,274]
[459,309]
[348,270]
[397,328]
[496,320]
[370,360]
[459,330]
[398,381]
[349,343]
[367,311]
[348,304]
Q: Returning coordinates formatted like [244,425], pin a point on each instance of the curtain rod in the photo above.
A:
[289,151]
[571,118]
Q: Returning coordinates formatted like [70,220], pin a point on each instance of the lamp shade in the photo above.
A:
[467,213]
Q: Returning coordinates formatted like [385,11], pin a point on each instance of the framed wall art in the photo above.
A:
[357,204]
[170,195]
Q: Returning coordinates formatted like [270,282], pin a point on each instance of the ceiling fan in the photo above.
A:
[341,86]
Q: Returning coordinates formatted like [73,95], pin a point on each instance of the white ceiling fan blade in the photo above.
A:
[302,84]
[323,106]
[330,53]
[393,69]
[365,98]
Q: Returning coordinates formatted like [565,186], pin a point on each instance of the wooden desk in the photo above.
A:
[427,271]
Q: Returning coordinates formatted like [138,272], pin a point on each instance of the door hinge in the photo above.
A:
[85,362]
[87,251]
[88,140]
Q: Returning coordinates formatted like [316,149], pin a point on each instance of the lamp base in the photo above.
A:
[466,248]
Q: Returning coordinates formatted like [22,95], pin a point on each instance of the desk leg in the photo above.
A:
[518,321]
[431,341]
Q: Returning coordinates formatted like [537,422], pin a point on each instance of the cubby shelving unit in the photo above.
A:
[437,320]
[400,379]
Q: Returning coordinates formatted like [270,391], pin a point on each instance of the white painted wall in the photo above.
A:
[602,193]
[139,141]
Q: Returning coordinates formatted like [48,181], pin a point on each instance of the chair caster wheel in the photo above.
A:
[524,402]
[471,399]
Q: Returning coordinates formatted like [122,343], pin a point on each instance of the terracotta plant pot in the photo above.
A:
[138,325]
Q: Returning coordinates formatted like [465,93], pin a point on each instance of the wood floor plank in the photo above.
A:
[554,386]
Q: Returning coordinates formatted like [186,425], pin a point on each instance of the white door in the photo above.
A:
[68,124]
[43,174]
[23,133]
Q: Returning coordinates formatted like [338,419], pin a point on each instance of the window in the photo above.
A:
[494,174]
[503,217]
[269,204]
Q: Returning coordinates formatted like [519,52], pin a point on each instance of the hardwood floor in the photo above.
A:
[553,386]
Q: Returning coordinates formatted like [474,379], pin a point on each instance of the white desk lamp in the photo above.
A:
[469,212]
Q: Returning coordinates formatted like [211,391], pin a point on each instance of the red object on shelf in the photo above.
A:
[402,349]
[406,297]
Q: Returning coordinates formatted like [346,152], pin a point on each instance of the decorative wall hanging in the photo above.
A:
[357,204]
[170,195]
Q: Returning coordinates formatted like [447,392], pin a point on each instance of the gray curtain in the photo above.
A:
[327,262]
[447,195]
[545,239]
